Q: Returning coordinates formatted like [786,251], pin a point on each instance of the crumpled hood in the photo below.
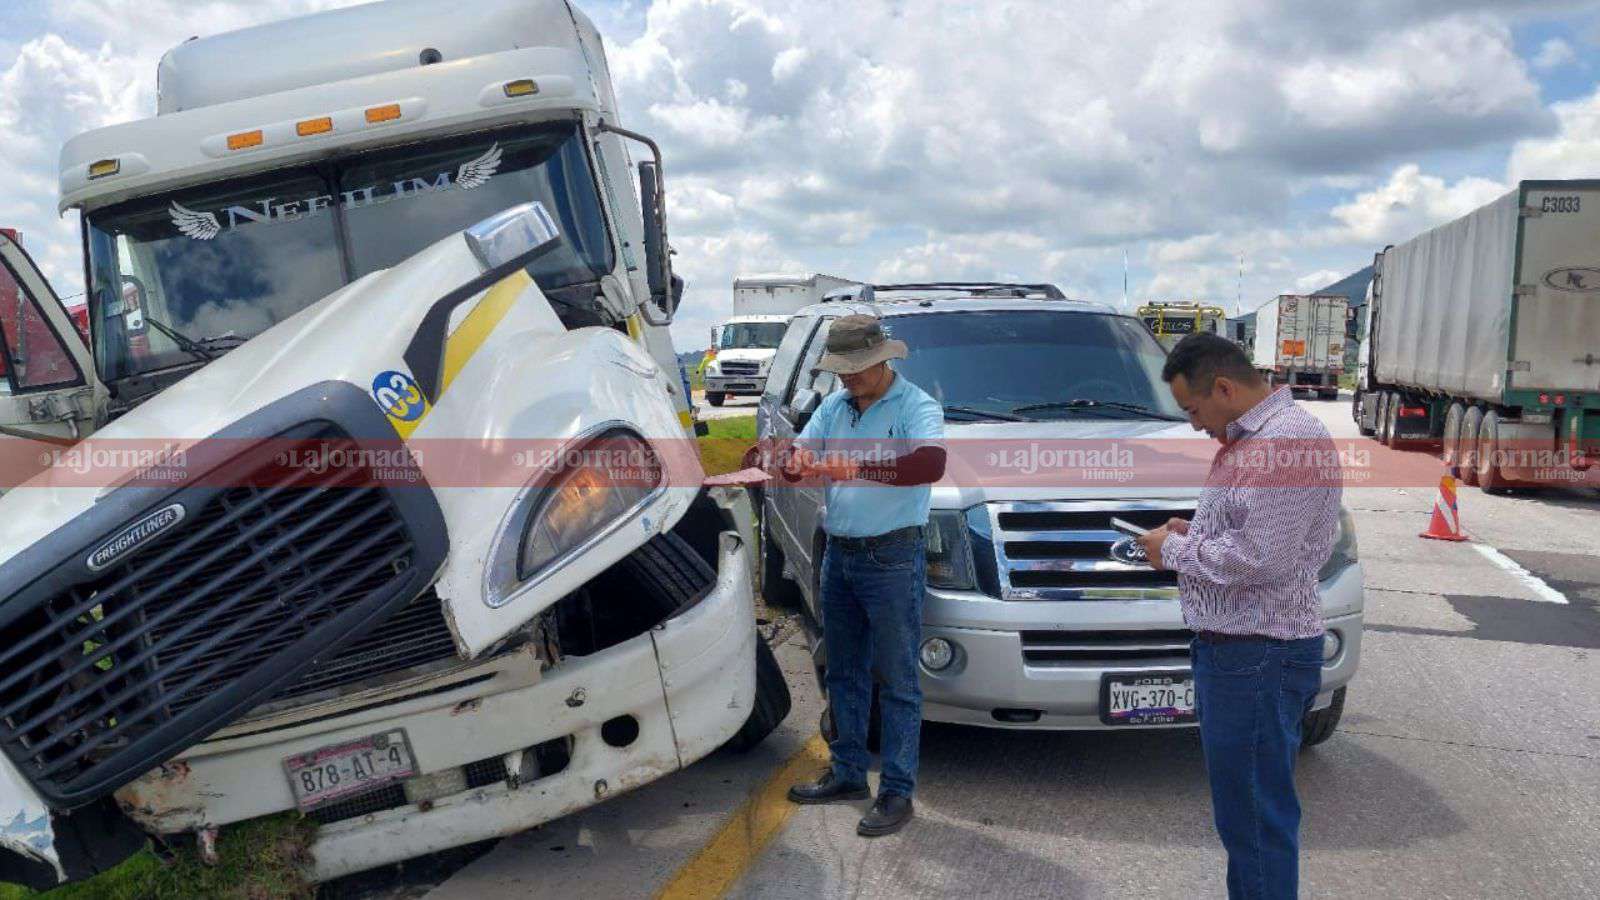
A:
[351,335]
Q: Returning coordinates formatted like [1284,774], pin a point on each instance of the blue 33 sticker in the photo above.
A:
[398,396]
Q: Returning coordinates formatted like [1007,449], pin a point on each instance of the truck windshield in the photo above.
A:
[1049,362]
[183,277]
[752,335]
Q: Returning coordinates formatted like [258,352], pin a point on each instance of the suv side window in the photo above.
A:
[781,373]
[817,381]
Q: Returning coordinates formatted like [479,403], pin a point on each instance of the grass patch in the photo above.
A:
[258,860]
[722,450]
[1348,381]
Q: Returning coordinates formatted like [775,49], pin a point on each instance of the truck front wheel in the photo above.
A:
[772,701]
[1318,725]
[715,398]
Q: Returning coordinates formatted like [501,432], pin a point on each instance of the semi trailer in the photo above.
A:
[1484,337]
[1299,341]
[409,535]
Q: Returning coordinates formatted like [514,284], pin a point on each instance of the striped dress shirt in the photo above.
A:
[1265,524]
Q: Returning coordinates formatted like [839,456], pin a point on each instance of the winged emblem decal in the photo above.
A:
[202,226]
[475,172]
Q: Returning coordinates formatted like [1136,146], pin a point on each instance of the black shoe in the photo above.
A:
[827,789]
[888,815]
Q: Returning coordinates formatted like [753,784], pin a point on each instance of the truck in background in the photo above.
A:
[1299,341]
[1173,320]
[742,347]
[398,254]
[1484,335]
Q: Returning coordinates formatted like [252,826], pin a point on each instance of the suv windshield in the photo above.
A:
[752,335]
[995,362]
[182,277]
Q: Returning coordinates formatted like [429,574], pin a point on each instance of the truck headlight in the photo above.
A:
[597,487]
[949,550]
[713,368]
[1345,551]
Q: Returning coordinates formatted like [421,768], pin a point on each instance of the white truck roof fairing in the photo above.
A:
[762,281]
[269,80]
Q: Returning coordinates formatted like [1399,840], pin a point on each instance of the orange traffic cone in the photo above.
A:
[1446,524]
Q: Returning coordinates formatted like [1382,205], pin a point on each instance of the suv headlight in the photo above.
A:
[595,489]
[1345,551]
[949,550]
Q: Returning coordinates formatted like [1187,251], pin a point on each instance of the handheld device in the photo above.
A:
[1128,528]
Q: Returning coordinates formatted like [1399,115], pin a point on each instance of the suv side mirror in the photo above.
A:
[800,407]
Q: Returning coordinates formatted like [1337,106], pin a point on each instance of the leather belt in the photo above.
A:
[1217,637]
[856,544]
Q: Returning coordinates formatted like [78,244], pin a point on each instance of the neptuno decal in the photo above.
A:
[1574,281]
[134,536]
[203,226]
[398,396]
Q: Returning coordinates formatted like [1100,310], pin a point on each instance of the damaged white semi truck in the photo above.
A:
[408,239]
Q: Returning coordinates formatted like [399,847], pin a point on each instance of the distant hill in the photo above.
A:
[1353,286]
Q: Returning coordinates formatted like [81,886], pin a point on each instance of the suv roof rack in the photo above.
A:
[865,293]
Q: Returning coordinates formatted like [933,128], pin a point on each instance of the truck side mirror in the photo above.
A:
[800,407]
[666,289]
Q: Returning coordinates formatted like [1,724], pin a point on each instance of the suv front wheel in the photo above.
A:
[1318,725]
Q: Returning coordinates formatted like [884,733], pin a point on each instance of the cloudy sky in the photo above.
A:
[978,140]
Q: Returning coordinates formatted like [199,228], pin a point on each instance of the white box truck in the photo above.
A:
[742,347]
[1299,341]
[1484,335]
[391,513]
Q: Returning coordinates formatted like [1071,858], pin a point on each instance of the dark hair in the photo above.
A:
[1200,358]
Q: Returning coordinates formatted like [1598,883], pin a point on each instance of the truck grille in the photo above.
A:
[120,669]
[1102,648]
[1062,550]
[741,369]
[414,637]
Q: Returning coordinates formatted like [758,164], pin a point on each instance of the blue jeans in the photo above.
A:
[871,622]
[1251,697]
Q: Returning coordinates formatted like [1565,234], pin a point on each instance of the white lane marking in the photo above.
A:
[1541,591]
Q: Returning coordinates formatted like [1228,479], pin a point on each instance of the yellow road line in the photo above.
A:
[720,863]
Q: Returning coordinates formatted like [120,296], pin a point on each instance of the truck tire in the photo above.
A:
[771,705]
[715,398]
[1468,444]
[1358,410]
[1391,422]
[1490,478]
[1451,451]
[1318,725]
[1380,420]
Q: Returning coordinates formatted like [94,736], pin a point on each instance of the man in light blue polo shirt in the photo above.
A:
[879,444]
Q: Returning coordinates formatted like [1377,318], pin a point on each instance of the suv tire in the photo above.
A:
[1318,725]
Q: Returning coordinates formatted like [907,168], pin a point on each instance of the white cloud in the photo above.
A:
[1573,152]
[1554,54]
[1408,204]
[1317,280]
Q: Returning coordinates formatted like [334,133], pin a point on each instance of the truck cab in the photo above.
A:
[742,349]
[1038,613]
[373,494]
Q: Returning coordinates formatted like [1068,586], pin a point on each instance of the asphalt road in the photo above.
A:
[731,408]
[1467,764]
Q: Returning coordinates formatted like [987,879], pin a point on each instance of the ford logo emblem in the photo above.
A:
[1129,551]
[134,536]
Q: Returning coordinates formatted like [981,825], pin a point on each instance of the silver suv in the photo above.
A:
[1038,613]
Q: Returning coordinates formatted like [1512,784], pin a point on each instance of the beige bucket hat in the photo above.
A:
[856,344]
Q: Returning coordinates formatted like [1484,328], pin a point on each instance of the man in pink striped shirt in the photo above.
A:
[1247,578]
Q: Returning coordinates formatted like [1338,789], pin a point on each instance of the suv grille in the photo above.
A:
[1069,648]
[96,678]
[1061,550]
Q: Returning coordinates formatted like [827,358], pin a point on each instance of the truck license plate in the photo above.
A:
[1165,698]
[331,773]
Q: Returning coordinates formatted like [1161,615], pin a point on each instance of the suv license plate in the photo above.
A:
[343,770]
[1153,698]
